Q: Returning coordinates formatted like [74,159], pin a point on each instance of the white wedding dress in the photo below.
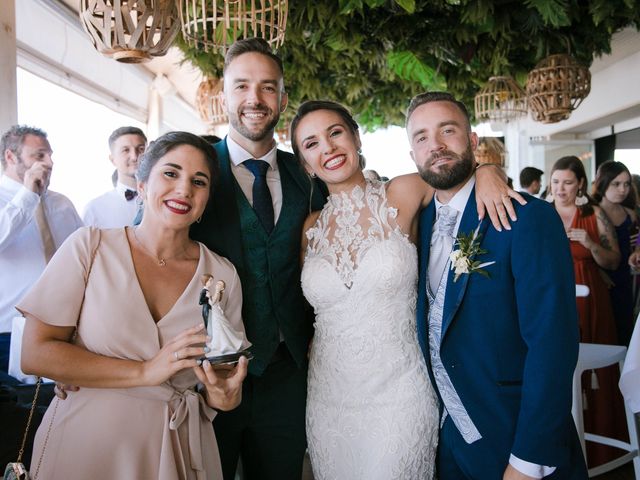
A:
[371,410]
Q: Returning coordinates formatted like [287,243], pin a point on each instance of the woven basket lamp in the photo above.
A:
[209,102]
[556,87]
[130,31]
[216,24]
[500,100]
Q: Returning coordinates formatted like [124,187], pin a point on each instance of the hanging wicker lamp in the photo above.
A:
[216,24]
[209,102]
[130,31]
[556,87]
[500,100]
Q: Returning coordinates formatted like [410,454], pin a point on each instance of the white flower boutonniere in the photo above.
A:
[468,247]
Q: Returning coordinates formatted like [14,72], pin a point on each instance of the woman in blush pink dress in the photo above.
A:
[131,297]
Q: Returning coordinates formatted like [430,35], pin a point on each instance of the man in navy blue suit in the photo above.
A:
[499,328]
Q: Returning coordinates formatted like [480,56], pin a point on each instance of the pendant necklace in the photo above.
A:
[162,262]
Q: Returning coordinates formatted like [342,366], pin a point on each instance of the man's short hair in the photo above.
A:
[528,175]
[119,132]
[251,45]
[429,97]
[13,139]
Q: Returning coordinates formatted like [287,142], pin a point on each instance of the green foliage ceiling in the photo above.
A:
[374,55]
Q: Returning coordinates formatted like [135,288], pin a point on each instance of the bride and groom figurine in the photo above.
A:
[226,344]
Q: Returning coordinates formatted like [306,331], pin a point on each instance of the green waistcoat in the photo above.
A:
[268,265]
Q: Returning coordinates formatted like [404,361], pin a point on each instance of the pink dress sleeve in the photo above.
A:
[56,298]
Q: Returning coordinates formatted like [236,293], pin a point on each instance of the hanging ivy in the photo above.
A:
[374,55]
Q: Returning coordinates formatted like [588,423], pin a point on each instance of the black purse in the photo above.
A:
[16,470]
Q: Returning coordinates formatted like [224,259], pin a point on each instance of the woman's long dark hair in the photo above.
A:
[607,172]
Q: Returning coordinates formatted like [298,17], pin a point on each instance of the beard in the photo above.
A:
[253,135]
[449,175]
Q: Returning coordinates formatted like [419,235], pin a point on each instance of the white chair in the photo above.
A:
[593,356]
[582,290]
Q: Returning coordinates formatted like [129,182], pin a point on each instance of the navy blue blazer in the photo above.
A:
[510,341]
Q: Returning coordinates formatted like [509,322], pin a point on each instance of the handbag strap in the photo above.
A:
[26,430]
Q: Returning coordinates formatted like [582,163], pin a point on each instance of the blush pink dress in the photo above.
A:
[162,432]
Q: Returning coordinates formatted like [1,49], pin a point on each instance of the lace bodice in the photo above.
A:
[371,410]
[349,225]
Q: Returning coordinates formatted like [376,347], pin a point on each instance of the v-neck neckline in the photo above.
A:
[140,291]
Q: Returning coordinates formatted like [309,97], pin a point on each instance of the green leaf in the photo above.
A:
[408,5]
[553,12]
[409,67]
[349,6]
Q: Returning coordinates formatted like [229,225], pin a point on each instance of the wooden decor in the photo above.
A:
[556,87]
[500,100]
[130,31]
[216,24]
[209,102]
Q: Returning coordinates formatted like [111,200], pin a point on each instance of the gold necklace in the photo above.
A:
[162,262]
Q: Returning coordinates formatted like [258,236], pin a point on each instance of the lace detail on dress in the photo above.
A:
[371,410]
[349,224]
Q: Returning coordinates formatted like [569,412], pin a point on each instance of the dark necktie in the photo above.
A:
[262,202]
[130,194]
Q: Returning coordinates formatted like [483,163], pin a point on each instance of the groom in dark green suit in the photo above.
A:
[255,220]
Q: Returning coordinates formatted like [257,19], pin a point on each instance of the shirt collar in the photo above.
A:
[121,188]
[10,184]
[237,154]
[459,200]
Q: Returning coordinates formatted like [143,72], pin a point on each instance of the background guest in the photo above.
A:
[531,180]
[593,246]
[33,221]
[133,349]
[617,198]
[117,207]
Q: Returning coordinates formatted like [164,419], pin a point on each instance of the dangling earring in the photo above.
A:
[362,162]
[199,219]
[312,174]
[581,199]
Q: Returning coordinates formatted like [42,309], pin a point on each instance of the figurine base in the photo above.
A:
[229,357]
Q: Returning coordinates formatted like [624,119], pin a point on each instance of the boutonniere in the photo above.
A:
[468,248]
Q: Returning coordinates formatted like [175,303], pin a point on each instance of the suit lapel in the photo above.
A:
[426,227]
[294,170]
[456,290]
[226,208]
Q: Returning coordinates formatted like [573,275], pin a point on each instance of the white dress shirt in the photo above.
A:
[459,203]
[111,209]
[21,251]
[244,177]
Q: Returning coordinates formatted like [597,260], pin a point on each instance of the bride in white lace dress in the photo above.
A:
[372,412]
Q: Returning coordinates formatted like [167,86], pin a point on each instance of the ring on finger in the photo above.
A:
[175,354]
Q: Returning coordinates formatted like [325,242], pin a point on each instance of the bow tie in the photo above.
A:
[130,194]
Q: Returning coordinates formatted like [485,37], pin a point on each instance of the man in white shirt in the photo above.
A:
[33,220]
[118,207]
